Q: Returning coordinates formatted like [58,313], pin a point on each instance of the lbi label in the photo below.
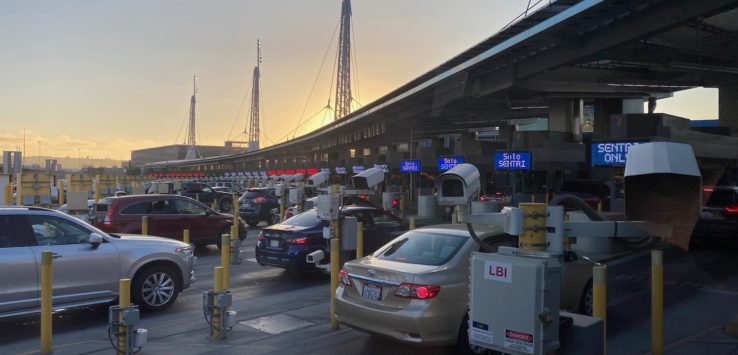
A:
[497,271]
[512,161]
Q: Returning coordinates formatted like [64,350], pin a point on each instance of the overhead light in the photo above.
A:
[703,67]
[529,107]
[638,85]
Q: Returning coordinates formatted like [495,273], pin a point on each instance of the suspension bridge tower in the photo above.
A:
[343,81]
[253,128]
[191,141]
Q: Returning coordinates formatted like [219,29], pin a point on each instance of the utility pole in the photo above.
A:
[191,133]
[343,81]
[253,128]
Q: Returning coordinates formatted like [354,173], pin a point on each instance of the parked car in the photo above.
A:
[287,244]
[719,217]
[257,204]
[205,194]
[416,288]
[228,190]
[87,264]
[169,216]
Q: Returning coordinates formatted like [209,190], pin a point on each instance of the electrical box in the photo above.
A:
[295,196]
[328,206]
[348,233]
[514,301]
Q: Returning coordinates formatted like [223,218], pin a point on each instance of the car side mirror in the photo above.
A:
[95,240]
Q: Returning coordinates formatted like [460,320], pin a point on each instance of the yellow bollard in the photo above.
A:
[46,301]
[186,236]
[455,215]
[60,185]
[599,299]
[214,205]
[412,223]
[8,194]
[215,331]
[657,302]
[359,239]
[225,260]
[334,280]
[144,225]
[546,198]
[599,206]
[534,226]
[533,198]
[124,301]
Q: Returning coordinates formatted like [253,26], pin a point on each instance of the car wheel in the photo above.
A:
[155,288]
[586,304]
[219,238]
[462,343]
[225,205]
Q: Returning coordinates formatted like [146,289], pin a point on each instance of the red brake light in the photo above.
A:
[395,202]
[344,278]
[733,209]
[259,200]
[363,197]
[413,291]
[708,189]
[107,220]
[261,236]
[297,241]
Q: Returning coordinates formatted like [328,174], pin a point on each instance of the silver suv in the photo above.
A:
[87,263]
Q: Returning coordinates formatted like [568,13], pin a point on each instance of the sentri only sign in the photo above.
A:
[611,153]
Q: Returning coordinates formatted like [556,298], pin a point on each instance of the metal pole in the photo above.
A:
[124,301]
[97,190]
[215,331]
[8,193]
[46,301]
[411,226]
[657,302]
[599,295]
[455,215]
[186,236]
[145,225]
[225,263]
[60,184]
[335,261]
[359,239]
[233,259]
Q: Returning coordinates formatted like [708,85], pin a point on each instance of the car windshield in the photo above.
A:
[305,219]
[418,247]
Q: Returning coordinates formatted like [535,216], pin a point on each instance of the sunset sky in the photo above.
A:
[110,76]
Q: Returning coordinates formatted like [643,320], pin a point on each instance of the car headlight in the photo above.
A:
[185,252]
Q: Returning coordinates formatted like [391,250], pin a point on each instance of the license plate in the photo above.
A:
[274,243]
[371,292]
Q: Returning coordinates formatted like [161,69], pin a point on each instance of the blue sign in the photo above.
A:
[513,161]
[611,153]
[341,170]
[409,166]
[446,163]
[358,168]
[383,166]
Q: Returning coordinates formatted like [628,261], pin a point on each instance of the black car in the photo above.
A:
[719,217]
[257,204]
[287,244]
[206,194]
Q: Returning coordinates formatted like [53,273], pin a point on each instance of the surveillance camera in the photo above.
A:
[459,185]
[318,179]
[368,178]
[297,177]
[286,178]
[274,178]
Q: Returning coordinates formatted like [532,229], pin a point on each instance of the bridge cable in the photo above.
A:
[240,108]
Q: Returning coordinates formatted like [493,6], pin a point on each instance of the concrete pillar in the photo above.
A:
[560,116]
[604,108]
[728,107]
[633,106]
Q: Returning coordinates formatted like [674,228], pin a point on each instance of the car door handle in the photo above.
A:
[55,256]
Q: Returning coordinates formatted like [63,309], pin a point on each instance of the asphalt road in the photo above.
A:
[709,265]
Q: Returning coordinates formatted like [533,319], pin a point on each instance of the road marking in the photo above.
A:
[277,324]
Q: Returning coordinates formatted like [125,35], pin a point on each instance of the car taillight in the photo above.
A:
[395,202]
[363,197]
[261,236]
[302,240]
[107,220]
[415,291]
[483,198]
[259,200]
[733,209]
[344,278]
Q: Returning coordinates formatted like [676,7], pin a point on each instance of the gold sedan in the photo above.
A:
[416,288]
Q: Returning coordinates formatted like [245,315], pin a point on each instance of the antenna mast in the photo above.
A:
[191,133]
[343,82]
[253,129]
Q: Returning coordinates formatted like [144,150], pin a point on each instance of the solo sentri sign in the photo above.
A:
[513,161]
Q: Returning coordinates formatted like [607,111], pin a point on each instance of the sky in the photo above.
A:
[99,78]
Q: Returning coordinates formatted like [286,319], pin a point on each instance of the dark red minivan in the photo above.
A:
[169,216]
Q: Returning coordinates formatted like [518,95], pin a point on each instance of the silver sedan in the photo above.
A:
[87,263]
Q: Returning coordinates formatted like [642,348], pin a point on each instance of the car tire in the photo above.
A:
[155,288]
[225,205]
[462,343]
[586,303]
[219,238]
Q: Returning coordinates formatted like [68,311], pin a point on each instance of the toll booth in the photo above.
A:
[33,189]
[79,191]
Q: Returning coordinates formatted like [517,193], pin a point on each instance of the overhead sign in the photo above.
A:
[446,163]
[409,166]
[341,170]
[324,170]
[358,168]
[611,153]
[513,161]
[383,166]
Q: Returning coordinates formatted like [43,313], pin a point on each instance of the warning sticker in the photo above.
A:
[481,333]
[519,341]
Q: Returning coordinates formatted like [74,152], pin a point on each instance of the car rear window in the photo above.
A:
[305,219]
[136,208]
[418,247]
[721,198]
